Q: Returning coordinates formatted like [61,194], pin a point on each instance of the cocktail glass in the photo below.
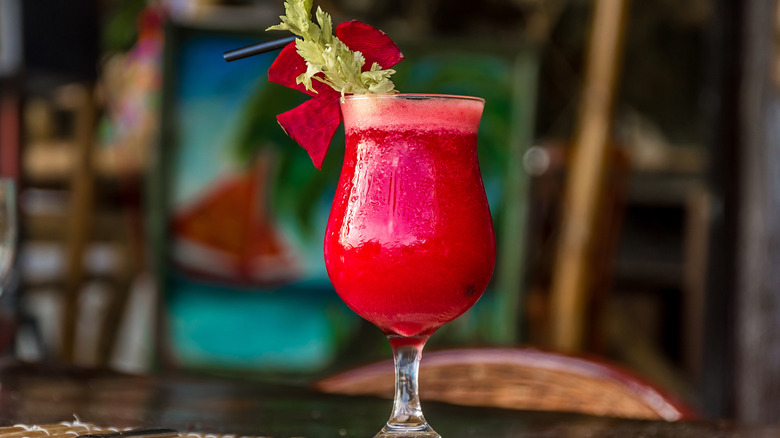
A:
[409,244]
[8,228]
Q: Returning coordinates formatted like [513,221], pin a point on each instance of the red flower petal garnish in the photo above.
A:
[375,45]
[313,123]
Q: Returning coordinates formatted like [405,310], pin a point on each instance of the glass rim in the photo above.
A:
[413,96]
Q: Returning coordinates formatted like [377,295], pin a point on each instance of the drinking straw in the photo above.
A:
[256,49]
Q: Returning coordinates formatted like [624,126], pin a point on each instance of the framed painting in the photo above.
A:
[238,215]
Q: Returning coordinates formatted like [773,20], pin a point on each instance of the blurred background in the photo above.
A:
[629,151]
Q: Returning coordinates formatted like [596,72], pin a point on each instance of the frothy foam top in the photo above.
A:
[385,112]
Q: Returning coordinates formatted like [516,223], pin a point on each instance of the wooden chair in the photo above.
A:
[65,167]
[520,378]
[548,181]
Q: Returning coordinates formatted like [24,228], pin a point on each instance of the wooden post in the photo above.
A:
[758,236]
[583,187]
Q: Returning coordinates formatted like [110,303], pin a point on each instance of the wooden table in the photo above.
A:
[40,394]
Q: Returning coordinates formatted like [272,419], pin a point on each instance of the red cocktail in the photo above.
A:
[410,244]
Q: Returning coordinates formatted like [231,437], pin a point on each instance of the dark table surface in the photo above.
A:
[40,394]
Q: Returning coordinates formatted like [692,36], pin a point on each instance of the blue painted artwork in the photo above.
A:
[247,287]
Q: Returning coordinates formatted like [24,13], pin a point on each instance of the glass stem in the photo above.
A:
[407,417]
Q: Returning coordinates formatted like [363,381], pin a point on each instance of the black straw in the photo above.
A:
[256,49]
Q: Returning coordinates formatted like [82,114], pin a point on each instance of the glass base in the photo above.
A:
[422,431]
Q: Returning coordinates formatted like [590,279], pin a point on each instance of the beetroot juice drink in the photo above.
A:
[410,245]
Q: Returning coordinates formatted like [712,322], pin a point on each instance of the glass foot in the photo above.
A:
[422,431]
